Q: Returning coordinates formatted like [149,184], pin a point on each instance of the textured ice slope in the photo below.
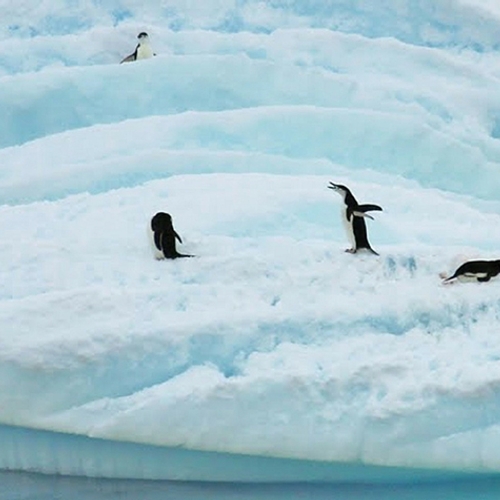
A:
[272,344]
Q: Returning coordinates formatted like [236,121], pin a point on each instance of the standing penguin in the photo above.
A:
[353,218]
[475,270]
[164,236]
[142,51]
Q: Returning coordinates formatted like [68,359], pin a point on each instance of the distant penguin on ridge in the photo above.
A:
[353,218]
[474,270]
[142,51]
[164,236]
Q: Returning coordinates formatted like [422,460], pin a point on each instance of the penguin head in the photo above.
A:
[339,188]
[161,221]
[143,37]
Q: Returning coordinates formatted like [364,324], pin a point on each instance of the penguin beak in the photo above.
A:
[333,186]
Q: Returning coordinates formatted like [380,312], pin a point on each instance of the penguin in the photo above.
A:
[164,236]
[475,270]
[142,51]
[353,218]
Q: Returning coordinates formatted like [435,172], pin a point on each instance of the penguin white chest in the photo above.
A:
[144,51]
[158,254]
[348,227]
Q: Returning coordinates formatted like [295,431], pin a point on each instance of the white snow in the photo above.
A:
[272,341]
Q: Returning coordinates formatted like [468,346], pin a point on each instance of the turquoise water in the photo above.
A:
[24,486]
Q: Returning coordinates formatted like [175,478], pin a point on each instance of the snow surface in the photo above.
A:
[272,342]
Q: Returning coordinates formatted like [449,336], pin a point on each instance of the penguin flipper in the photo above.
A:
[157,239]
[361,214]
[129,58]
[484,279]
[177,236]
[368,208]
[360,211]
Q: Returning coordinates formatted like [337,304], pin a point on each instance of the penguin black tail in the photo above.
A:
[181,255]
[176,255]
[368,249]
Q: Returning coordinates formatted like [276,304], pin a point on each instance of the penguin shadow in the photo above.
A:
[164,236]
[394,266]
[479,271]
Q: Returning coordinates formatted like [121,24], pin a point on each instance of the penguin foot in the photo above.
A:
[350,250]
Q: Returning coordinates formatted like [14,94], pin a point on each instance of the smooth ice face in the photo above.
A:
[272,342]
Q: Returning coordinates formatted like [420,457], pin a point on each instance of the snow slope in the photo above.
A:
[272,344]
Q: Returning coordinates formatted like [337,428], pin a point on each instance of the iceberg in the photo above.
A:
[272,356]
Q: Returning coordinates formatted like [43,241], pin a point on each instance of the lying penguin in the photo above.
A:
[353,217]
[475,270]
[142,51]
[164,236]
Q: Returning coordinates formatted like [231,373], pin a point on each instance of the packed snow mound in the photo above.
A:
[272,343]
[250,94]
[272,328]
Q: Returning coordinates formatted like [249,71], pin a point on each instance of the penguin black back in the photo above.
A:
[479,270]
[164,236]
[361,234]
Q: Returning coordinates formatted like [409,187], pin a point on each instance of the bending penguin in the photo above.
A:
[353,218]
[142,51]
[475,270]
[164,236]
